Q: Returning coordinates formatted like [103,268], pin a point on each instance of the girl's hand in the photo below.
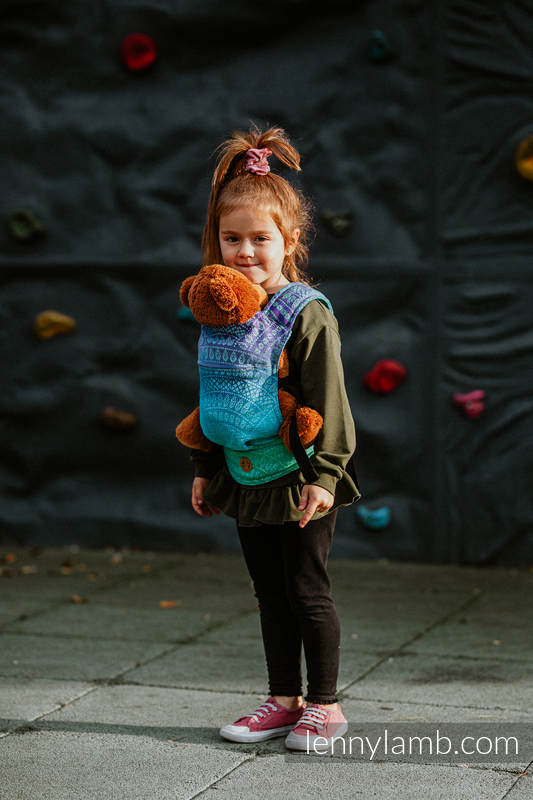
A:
[314,498]
[199,485]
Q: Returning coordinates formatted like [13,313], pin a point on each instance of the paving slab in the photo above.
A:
[481,683]
[211,597]
[119,622]
[420,579]
[28,656]
[272,777]
[467,635]
[523,787]
[30,698]
[40,765]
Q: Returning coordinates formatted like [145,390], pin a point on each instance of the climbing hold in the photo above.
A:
[49,323]
[385,376]
[337,224]
[471,403]
[523,158]
[374,518]
[25,225]
[117,419]
[185,313]
[138,51]
[379,48]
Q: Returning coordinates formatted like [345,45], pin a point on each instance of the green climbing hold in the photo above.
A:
[337,224]
[379,48]
[25,226]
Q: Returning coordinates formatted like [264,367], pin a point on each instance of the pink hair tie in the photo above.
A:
[256,160]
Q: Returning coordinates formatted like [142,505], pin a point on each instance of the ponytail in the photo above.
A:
[233,185]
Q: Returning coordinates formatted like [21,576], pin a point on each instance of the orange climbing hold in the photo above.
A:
[524,158]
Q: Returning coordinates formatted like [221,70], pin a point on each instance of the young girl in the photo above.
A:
[258,224]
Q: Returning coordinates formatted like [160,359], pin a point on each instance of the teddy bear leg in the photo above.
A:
[308,421]
[189,432]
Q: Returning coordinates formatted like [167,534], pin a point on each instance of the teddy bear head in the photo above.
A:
[221,296]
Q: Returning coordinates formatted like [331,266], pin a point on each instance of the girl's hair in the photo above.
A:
[233,186]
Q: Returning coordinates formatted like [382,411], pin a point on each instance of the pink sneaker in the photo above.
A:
[317,724]
[268,720]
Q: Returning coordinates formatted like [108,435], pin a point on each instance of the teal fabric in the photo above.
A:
[269,460]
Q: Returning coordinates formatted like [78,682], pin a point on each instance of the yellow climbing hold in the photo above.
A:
[524,158]
[49,323]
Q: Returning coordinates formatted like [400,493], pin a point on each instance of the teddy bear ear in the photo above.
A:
[184,289]
[222,294]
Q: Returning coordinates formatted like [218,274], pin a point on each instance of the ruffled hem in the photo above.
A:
[269,504]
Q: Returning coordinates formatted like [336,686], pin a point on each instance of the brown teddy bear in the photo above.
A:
[221,296]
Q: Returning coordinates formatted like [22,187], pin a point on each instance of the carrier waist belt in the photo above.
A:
[262,463]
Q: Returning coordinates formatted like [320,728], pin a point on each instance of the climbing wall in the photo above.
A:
[414,122]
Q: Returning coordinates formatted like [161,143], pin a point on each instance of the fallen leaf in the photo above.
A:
[66,570]
[9,558]
[116,558]
[169,603]
[146,568]
[7,572]
[27,569]
[77,599]
[497,641]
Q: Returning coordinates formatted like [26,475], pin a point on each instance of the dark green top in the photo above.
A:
[316,379]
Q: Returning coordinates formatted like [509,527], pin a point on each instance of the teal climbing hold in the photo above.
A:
[374,518]
[185,313]
[379,48]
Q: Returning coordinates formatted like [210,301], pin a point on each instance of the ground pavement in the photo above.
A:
[117,668]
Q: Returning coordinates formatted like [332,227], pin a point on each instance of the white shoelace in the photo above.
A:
[313,716]
[263,711]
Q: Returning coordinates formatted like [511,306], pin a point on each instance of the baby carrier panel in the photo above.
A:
[238,365]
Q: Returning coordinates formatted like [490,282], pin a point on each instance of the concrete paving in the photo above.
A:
[117,669]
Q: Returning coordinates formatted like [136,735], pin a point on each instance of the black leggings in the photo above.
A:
[288,567]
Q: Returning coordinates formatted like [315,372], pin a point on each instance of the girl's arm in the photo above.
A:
[206,465]
[315,363]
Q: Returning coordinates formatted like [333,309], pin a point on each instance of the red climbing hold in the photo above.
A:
[138,51]
[471,403]
[385,376]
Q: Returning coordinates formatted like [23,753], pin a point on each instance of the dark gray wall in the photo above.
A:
[435,271]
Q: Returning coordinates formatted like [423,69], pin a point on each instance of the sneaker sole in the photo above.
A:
[238,733]
[297,741]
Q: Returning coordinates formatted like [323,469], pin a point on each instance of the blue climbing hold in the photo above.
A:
[374,518]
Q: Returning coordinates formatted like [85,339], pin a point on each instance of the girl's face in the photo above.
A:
[252,243]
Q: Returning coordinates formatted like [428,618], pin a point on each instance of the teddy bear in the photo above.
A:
[221,296]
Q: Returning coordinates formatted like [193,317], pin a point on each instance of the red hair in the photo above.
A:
[233,186]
